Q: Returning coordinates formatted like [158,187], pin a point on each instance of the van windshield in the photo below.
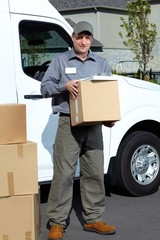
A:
[40,42]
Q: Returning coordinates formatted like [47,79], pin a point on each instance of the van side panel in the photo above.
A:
[41,8]
[7,74]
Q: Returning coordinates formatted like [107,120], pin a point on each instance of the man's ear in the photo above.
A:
[73,35]
[92,39]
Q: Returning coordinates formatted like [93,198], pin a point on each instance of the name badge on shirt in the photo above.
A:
[70,70]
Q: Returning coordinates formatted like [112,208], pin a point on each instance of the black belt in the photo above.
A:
[64,114]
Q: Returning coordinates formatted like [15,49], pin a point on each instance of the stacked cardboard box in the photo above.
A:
[12,123]
[19,192]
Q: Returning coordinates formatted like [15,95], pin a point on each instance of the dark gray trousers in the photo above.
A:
[71,143]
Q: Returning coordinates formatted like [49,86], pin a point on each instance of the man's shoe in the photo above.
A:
[99,227]
[56,232]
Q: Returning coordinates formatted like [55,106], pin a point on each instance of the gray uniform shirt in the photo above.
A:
[67,66]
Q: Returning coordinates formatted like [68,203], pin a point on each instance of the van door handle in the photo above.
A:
[34,96]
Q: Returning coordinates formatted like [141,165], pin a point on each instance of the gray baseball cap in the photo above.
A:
[83,27]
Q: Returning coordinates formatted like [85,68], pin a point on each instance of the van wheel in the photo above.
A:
[138,164]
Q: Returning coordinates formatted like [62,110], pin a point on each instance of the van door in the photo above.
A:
[35,43]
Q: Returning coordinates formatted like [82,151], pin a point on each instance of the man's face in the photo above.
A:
[82,42]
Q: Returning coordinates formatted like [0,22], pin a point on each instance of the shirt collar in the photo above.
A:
[72,55]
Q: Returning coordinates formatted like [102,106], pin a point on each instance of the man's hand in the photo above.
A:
[109,123]
[72,87]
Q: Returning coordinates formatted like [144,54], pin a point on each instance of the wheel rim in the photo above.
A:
[145,164]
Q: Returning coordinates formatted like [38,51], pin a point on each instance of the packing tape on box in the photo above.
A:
[28,235]
[20,151]
[5,237]
[76,107]
[10,183]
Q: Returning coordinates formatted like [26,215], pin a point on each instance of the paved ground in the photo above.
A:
[136,218]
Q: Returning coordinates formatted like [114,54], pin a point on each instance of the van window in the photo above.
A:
[40,42]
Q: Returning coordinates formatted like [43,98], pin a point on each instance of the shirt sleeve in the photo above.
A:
[51,83]
[106,70]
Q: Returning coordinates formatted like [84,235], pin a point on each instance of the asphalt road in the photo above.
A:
[135,218]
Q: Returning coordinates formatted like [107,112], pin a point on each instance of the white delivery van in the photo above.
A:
[32,33]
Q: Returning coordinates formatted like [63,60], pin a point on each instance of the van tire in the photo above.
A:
[138,164]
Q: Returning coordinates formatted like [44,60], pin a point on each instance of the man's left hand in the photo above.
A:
[109,123]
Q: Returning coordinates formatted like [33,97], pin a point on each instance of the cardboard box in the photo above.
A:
[97,102]
[18,169]
[20,217]
[12,123]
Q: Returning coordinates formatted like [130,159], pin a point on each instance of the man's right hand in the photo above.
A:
[72,87]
